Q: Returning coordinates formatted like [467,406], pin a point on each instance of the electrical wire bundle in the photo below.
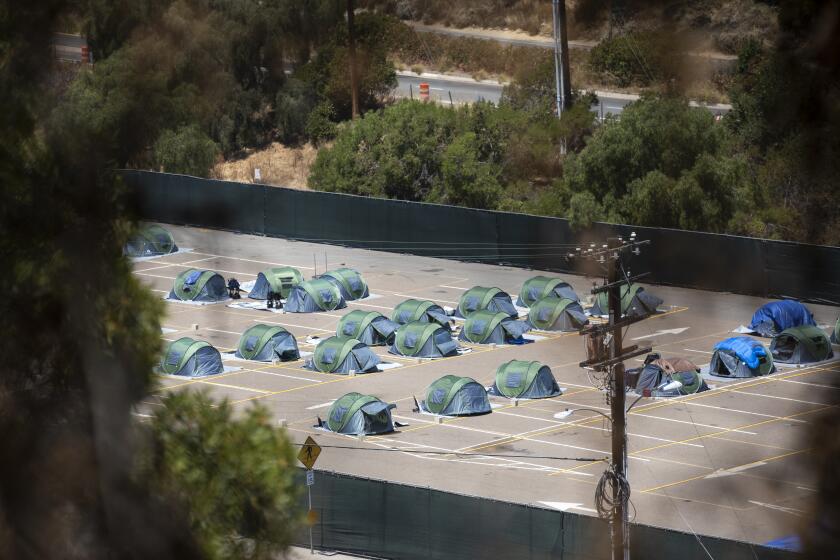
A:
[612,490]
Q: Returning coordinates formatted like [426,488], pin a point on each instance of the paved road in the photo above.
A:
[466,90]
[513,38]
[519,39]
[68,47]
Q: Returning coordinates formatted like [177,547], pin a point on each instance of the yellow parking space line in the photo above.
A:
[249,389]
[755,443]
[729,430]
[690,479]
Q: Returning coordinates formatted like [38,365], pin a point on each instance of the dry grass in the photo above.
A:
[279,165]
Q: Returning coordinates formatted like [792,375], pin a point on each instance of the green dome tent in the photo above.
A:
[191,358]
[369,327]
[635,301]
[150,240]
[355,413]
[419,310]
[423,340]
[555,314]
[657,373]
[490,327]
[518,379]
[349,281]
[493,299]
[279,280]
[740,356]
[264,343]
[801,345]
[456,396]
[199,285]
[539,287]
[341,354]
[315,295]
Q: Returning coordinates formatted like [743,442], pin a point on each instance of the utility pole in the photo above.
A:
[563,82]
[354,85]
[599,358]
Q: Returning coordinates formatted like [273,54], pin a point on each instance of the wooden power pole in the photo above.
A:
[615,506]
[354,79]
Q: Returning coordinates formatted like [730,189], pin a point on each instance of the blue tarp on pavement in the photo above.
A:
[776,316]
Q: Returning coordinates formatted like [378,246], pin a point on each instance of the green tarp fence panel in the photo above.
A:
[743,265]
[389,520]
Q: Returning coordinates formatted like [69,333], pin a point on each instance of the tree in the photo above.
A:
[235,476]
[187,151]
[328,72]
[465,179]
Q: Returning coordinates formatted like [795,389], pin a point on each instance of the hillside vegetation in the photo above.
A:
[720,25]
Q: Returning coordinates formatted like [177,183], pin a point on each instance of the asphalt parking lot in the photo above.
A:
[727,462]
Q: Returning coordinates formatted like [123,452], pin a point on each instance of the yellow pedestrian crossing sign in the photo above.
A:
[309,452]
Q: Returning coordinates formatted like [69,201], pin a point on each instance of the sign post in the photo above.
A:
[309,453]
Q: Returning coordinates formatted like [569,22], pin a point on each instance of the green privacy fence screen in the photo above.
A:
[401,522]
[680,258]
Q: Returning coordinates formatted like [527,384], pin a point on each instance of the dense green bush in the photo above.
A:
[468,155]
[187,151]
[662,164]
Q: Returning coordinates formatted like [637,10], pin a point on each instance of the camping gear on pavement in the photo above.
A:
[656,377]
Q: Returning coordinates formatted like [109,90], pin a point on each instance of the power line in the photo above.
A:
[478,455]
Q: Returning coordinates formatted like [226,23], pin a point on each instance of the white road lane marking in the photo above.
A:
[317,406]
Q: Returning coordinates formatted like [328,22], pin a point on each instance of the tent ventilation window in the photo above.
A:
[326,295]
[174,359]
[438,396]
[410,340]
[329,356]
[478,327]
[513,380]
[251,343]
[338,413]
[350,328]
[471,304]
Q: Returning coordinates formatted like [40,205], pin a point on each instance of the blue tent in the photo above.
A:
[776,316]
[740,356]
